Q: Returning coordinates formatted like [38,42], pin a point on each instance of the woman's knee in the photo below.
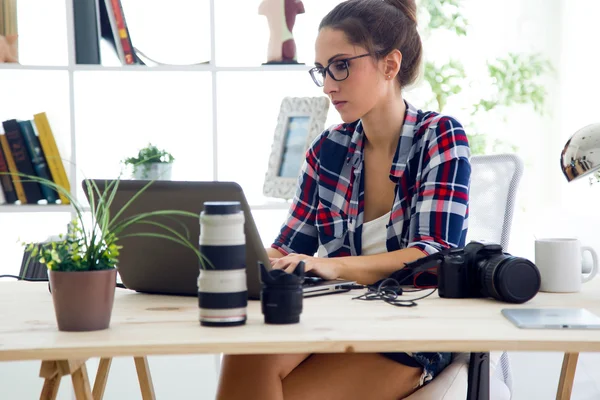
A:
[279,365]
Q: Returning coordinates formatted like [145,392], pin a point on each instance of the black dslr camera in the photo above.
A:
[281,294]
[481,269]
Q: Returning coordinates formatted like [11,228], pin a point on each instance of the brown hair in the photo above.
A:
[381,26]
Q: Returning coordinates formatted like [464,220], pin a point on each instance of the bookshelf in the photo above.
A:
[214,69]
[234,87]
[36,208]
[158,68]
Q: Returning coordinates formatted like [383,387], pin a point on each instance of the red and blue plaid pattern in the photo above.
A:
[430,168]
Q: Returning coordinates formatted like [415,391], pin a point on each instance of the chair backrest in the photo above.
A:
[492,197]
[494,182]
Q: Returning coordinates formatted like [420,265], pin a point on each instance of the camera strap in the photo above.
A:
[419,271]
[389,289]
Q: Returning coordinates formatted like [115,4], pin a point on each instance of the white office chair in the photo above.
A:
[494,182]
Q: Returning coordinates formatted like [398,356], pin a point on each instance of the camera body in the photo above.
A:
[482,269]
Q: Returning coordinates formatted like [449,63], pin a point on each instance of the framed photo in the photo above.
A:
[300,121]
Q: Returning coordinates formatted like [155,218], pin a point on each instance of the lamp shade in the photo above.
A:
[581,154]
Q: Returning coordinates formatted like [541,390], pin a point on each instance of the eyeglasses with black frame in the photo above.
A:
[339,72]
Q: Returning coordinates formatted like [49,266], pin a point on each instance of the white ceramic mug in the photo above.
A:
[560,263]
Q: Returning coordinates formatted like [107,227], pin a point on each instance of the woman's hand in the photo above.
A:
[326,268]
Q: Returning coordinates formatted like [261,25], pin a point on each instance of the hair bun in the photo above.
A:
[408,7]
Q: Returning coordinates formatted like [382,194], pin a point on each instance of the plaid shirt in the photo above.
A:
[431,171]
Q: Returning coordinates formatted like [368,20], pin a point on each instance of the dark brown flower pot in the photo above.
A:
[83,300]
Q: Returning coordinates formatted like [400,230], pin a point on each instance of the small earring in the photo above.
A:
[389,77]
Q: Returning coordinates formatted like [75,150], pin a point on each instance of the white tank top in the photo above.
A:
[374,235]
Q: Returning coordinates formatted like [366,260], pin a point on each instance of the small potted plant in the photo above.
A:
[151,163]
[82,264]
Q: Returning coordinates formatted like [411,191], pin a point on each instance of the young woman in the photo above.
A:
[386,187]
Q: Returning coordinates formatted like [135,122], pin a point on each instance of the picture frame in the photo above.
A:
[300,121]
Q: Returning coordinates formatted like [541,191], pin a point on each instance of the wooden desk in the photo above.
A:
[145,325]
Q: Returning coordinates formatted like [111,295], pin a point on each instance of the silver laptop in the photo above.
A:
[552,318]
[160,266]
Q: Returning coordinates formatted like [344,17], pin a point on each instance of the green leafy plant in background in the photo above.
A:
[445,80]
[147,156]
[515,78]
[445,14]
[96,247]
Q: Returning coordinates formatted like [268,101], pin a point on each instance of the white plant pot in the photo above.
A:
[154,171]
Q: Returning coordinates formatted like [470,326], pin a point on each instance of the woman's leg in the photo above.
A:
[351,376]
[256,376]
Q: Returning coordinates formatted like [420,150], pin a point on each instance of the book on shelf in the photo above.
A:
[113,28]
[23,164]
[86,31]
[37,158]
[8,17]
[52,155]
[12,168]
[97,20]
[6,185]
[9,25]
[28,147]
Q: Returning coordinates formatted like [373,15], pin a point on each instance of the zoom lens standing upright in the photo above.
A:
[222,290]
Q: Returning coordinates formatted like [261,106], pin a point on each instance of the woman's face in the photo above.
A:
[360,92]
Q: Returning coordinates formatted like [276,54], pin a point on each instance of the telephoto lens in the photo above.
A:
[281,294]
[222,290]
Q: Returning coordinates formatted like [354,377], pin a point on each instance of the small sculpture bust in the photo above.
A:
[8,49]
[281,16]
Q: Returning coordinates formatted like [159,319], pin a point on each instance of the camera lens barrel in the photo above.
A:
[282,305]
[511,279]
[222,289]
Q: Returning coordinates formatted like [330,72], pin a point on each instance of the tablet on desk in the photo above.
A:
[552,318]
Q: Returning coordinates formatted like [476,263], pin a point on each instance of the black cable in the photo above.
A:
[21,278]
[119,285]
[388,290]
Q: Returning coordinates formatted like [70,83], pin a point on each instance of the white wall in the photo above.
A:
[573,212]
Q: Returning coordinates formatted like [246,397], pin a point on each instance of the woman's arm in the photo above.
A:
[362,269]
[274,253]
[369,269]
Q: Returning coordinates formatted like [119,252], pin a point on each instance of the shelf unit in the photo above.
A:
[35,208]
[168,68]
[72,69]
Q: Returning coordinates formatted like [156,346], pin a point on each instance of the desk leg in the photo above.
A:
[79,376]
[567,376]
[101,378]
[53,371]
[49,372]
[143,371]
